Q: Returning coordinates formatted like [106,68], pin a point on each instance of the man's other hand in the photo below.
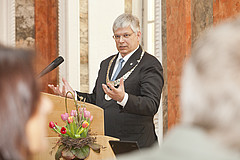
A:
[62,92]
[116,94]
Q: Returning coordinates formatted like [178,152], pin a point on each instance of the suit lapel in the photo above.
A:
[132,61]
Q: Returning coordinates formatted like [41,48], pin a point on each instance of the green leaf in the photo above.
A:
[84,133]
[75,125]
[58,128]
[67,154]
[95,147]
[72,131]
[69,133]
[58,154]
[80,130]
[77,136]
[81,153]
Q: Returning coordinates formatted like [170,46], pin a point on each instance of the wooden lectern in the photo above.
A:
[97,129]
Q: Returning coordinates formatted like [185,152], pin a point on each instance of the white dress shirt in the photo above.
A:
[125,58]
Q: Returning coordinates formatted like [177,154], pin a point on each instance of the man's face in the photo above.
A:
[126,40]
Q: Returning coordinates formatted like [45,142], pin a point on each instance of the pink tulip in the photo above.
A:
[80,110]
[73,113]
[64,116]
[87,114]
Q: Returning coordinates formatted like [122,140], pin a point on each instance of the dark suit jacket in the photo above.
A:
[134,122]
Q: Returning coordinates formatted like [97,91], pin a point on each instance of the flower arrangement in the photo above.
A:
[75,141]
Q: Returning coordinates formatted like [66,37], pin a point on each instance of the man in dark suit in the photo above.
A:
[128,86]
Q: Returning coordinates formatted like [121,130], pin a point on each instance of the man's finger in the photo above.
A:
[67,85]
[64,90]
[50,86]
[53,88]
[64,81]
[57,88]
[107,90]
[121,83]
[111,87]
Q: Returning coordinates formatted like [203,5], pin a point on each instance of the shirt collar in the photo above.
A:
[125,58]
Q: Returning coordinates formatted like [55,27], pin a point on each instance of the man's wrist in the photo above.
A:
[124,101]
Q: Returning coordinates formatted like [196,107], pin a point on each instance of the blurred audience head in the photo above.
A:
[21,106]
[210,96]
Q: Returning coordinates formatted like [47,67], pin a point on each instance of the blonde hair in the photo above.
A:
[125,20]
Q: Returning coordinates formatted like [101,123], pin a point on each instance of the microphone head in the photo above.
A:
[58,60]
[51,66]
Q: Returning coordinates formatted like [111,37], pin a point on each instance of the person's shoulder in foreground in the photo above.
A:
[184,143]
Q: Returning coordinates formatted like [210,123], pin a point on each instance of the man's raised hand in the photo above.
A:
[62,92]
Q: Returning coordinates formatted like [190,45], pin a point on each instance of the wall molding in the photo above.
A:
[158,54]
[158,30]
[69,41]
[62,39]
[7,19]
[11,23]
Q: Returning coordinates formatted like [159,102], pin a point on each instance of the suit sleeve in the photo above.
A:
[90,98]
[151,84]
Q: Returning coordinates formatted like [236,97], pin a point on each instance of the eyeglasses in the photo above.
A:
[125,36]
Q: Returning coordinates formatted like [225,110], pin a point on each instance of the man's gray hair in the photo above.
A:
[210,94]
[125,20]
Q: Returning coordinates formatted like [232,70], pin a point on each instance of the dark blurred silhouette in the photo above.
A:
[22,109]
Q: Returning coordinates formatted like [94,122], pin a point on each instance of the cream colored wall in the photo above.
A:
[137,10]
[69,41]
[101,15]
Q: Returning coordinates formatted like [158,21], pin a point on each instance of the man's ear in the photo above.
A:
[139,34]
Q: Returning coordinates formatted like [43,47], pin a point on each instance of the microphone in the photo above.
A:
[51,66]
